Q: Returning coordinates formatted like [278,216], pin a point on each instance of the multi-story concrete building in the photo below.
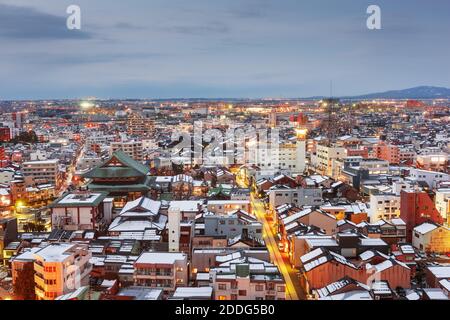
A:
[323,159]
[166,270]
[289,157]
[46,171]
[442,202]
[384,206]
[131,148]
[246,279]
[394,154]
[417,207]
[234,224]
[431,178]
[60,268]
[299,197]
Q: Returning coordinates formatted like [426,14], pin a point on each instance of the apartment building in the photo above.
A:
[299,197]
[132,148]
[384,206]
[246,279]
[46,171]
[394,154]
[323,159]
[289,157]
[234,224]
[431,178]
[417,207]
[166,270]
[60,268]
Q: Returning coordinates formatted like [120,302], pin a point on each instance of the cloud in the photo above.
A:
[23,23]
[67,59]
[200,30]
[127,26]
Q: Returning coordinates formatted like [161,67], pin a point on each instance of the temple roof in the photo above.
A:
[120,165]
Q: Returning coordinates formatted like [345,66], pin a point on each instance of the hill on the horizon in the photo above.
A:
[422,92]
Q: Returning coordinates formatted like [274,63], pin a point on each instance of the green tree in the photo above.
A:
[26,137]
[24,284]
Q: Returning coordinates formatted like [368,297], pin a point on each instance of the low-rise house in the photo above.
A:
[139,219]
[322,267]
[435,274]
[204,259]
[431,238]
[343,289]
[82,211]
[392,232]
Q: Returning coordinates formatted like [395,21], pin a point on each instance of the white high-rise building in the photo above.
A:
[289,158]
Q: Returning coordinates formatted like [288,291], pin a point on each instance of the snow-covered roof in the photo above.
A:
[142,206]
[435,294]
[445,283]
[193,292]
[440,272]
[160,257]
[351,295]
[56,252]
[311,255]
[425,227]
[186,205]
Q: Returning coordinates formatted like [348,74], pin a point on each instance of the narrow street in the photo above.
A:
[293,289]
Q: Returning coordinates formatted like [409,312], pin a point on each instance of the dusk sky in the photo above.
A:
[211,48]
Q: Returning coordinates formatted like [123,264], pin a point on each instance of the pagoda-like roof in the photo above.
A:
[143,186]
[119,165]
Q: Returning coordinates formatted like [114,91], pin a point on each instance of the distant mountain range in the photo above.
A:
[423,92]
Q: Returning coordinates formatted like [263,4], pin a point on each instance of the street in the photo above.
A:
[293,289]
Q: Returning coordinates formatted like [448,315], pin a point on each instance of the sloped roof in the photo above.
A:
[130,168]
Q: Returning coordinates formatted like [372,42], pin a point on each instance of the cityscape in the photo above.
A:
[335,195]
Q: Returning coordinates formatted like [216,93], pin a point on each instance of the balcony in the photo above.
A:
[38,268]
[39,280]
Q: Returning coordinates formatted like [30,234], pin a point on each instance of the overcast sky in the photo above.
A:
[212,48]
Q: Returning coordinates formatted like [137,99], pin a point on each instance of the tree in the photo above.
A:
[24,284]
[177,168]
[26,137]
[214,181]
